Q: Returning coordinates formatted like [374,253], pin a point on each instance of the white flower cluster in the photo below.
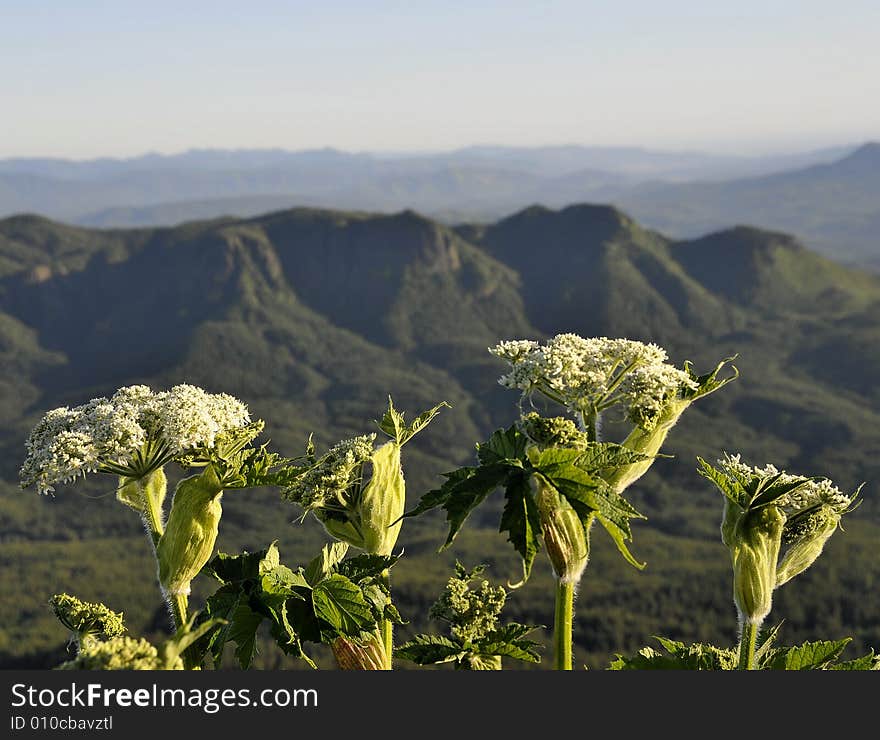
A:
[327,481]
[811,493]
[595,373]
[69,442]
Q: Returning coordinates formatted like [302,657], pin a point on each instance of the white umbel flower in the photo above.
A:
[132,431]
[590,375]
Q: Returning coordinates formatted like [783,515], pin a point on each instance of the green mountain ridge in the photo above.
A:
[314,317]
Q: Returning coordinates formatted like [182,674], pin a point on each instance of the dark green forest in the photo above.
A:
[314,318]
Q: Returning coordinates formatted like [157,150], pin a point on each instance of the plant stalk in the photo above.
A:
[386,627]
[747,644]
[562,625]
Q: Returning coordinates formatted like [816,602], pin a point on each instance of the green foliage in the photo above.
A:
[810,656]
[509,462]
[329,598]
[477,641]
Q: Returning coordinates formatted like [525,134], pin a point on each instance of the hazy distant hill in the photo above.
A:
[313,317]
[835,207]
[480,183]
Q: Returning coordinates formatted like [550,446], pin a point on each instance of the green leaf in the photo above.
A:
[393,424]
[282,581]
[341,604]
[731,489]
[464,490]
[522,522]
[809,656]
[508,642]
[233,568]
[678,656]
[242,630]
[324,564]
[430,650]
[869,662]
[619,536]
[365,566]
[601,457]
[769,490]
[505,445]
[708,383]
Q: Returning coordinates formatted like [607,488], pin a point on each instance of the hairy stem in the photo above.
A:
[386,628]
[747,643]
[562,625]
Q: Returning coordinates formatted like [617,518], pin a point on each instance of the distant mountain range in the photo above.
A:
[314,317]
[829,198]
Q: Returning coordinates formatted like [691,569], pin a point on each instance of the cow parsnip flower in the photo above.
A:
[588,376]
[471,612]
[86,620]
[131,434]
[121,654]
[329,483]
[775,525]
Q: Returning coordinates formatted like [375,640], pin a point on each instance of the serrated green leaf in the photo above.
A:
[242,630]
[731,489]
[522,522]
[321,566]
[362,567]
[233,568]
[708,383]
[341,604]
[807,657]
[770,490]
[282,581]
[430,650]
[504,445]
[507,641]
[619,536]
[466,489]
[601,457]
[393,424]
[869,662]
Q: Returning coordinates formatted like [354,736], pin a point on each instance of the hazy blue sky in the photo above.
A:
[87,78]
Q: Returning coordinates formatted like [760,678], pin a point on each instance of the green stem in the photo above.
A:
[590,420]
[562,625]
[386,627]
[152,513]
[747,646]
[179,604]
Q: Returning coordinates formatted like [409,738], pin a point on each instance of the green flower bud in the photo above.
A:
[756,541]
[371,520]
[565,538]
[120,654]
[139,493]
[647,442]
[554,431]
[365,655]
[805,535]
[189,537]
[85,619]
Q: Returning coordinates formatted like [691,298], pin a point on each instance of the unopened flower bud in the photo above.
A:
[755,550]
[647,442]
[563,532]
[145,493]
[365,655]
[805,537]
[191,532]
